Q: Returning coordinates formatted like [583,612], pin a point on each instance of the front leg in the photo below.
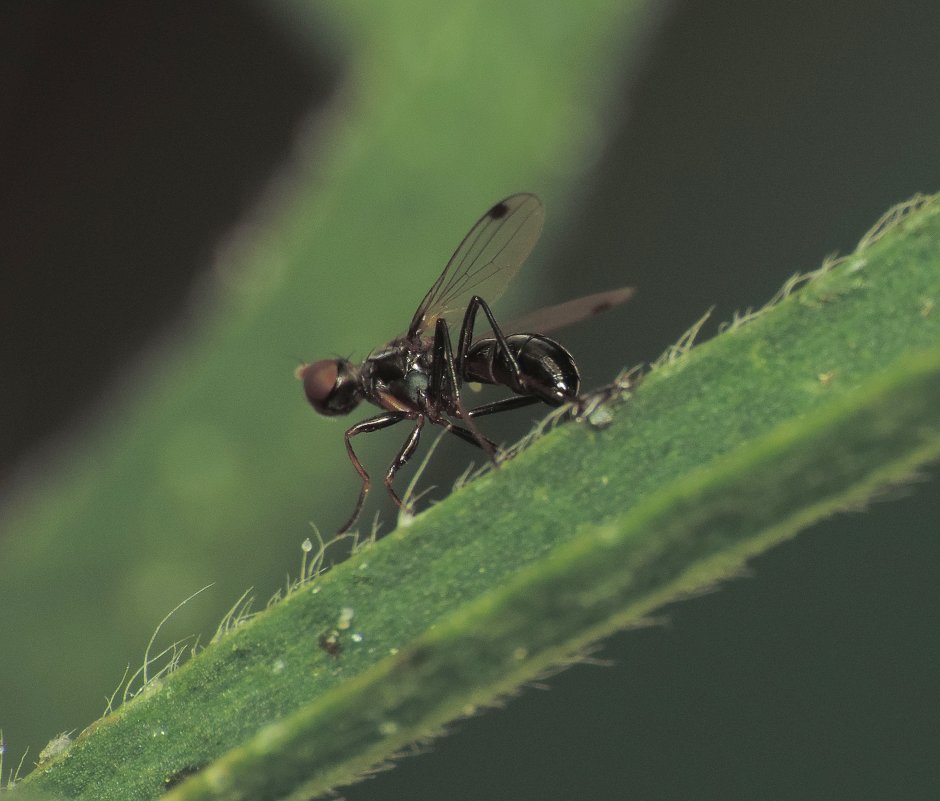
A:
[365,427]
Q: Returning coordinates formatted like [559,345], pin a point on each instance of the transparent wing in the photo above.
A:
[551,318]
[486,261]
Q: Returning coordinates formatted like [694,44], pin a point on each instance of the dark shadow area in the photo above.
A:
[758,140]
[132,136]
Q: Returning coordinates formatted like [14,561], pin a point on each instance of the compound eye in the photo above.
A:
[330,386]
[319,379]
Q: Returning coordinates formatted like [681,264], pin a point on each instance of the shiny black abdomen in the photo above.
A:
[547,370]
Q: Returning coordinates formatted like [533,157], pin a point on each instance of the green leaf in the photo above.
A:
[807,407]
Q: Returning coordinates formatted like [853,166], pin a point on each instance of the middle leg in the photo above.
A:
[445,388]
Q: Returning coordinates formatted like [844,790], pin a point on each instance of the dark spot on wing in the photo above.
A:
[498,211]
[602,307]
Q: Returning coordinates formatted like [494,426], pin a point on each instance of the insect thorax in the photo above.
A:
[399,374]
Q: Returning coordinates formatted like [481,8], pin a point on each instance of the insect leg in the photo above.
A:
[504,405]
[403,456]
[444,368]
[466,337]
[467,435]
[365,427]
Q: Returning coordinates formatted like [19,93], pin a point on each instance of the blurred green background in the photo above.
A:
[197,196]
